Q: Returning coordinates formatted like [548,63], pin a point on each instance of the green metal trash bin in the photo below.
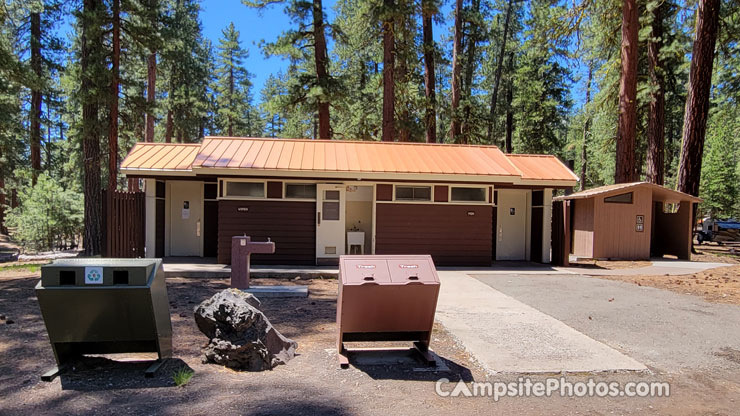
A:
[105,306]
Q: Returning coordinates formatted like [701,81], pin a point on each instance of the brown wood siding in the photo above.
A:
[446,232]
[274,190]
[583,227]
[384,192]
[440,193]
[290,224]
[615,236]
[494,220]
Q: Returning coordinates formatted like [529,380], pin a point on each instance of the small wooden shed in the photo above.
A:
[630,221]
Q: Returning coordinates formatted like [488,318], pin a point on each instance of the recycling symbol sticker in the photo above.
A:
[93,275]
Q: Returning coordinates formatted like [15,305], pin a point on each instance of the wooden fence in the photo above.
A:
[123,224]
[560,233]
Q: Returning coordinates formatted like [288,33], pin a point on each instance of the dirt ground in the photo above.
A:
[721,285]
[312,383]
[713,252]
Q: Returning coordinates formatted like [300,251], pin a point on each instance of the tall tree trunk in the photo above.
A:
[229,120]
[168,127]
[470,65]
[389,88]
[49,127]
[430,116]
[509,109]
[36,97]
[656,116]
[151,72]
[586,128]
[404,122]
[497,76]
[627,127]
[322,74]
[113,122]
[455,127]
[3,228]
[697,99]
[92,41]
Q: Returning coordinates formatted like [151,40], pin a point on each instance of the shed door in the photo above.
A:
[186,218]
[511,242]
[330,226]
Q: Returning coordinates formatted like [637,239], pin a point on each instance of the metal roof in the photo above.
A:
[538,167]
[164,157]
[338,158]
[662,193]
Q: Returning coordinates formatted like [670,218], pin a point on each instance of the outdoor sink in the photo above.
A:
[259,247]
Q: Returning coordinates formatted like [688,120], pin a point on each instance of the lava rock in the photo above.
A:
[241,337]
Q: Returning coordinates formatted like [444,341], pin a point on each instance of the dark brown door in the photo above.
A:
[535,253]
[210,228]
[159,229]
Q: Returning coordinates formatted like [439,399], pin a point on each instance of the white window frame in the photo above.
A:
[414,185]
[483,202]
[238,197]
[297,182]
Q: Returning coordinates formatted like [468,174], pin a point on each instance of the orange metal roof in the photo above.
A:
[542,167]
[352,156]
[233,155]
[660,193]
[161,157]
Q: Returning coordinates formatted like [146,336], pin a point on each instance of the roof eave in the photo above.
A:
[383,176]
[156,172]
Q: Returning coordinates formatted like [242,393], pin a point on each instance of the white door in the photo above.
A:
[186,218]
[511,242]
[330,227]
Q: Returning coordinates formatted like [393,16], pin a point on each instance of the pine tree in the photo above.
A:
[232,85]
[306,44]
[625,170]
[92,81]
[697,100]
[429,9]
[455,125]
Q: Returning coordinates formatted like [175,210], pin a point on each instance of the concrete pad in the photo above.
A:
[507,336]
[207,268]
[298,291]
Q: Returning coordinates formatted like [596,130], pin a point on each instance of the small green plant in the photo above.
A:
[182,376]
[31,268]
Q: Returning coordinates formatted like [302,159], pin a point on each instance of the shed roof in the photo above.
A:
[338,158]
[660,193]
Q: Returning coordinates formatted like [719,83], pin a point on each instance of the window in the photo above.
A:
[300,190]
[619,199]
[245,189]
[468,194]
[413,193]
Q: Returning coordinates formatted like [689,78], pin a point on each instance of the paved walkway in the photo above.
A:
[507,336]
[665,330]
